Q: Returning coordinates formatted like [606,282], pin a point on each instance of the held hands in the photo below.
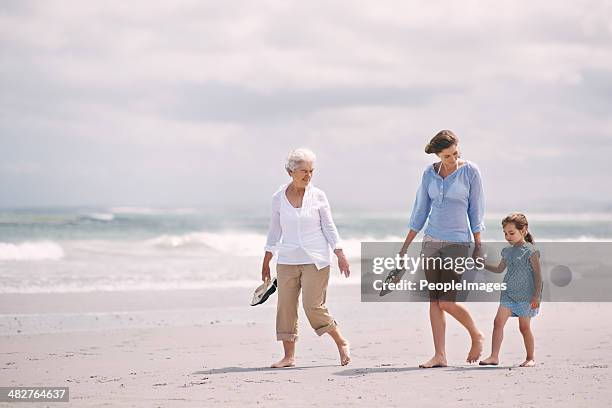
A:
[343,264]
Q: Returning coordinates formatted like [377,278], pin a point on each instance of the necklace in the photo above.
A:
[442,165]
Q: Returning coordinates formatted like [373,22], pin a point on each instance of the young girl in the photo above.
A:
[523,286]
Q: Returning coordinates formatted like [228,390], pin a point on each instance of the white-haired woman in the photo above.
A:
[302,231]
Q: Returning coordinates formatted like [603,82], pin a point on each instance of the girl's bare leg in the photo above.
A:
[438,330]
[503,313]
[289,359]
[525,327]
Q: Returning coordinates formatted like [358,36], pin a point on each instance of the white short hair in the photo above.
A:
[297,157]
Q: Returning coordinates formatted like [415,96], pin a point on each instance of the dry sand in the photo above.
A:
[208,347]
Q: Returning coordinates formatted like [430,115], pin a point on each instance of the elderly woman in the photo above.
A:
[450,199]
[302,231]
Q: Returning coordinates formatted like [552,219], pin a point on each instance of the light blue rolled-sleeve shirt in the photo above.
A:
[453,207]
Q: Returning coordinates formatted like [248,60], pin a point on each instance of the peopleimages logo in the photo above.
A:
[424,284]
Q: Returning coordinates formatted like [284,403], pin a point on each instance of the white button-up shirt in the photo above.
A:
[302,235]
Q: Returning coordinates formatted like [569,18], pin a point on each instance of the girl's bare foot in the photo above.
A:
[345,352]
[528,363]
[285,362]
[476,349]
[435,361]
[489,361]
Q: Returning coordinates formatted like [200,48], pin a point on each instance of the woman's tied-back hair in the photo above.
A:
[520,222]
[442,140]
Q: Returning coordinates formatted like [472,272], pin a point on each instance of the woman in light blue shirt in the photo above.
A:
[450,199]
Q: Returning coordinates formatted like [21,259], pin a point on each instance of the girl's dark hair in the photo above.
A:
[520,222]
[442,140]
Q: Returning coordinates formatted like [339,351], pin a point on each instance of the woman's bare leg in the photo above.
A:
[289,359]
[343,346]
[438,330]
[462,315]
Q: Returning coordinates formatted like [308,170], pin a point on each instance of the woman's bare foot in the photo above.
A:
[285,362]
[345,352]
[435,361]
[476,350]
[528,363]
[489,361]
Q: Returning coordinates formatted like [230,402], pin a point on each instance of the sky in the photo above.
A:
[197,103]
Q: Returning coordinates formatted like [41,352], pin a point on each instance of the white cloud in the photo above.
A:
[221,91]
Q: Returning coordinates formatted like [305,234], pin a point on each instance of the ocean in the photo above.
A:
[134,248]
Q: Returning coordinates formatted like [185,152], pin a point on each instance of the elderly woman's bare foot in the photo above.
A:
[528,363]
[285,362]
[435,361]
[476,349]
[345,352]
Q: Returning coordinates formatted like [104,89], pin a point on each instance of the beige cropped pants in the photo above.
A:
[313,284]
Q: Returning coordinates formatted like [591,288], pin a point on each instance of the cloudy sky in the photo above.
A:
[195,103]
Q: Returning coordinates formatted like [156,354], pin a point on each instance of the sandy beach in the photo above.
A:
[209,348]
[158,156]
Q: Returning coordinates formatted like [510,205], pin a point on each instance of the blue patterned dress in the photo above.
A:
[519,279]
